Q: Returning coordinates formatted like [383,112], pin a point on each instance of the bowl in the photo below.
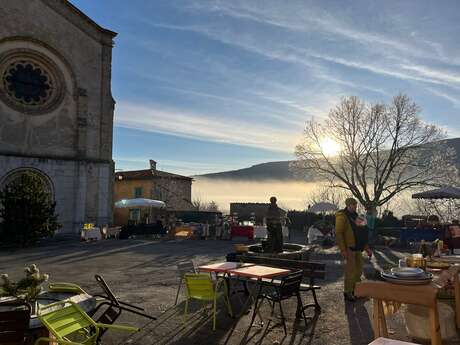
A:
[407,271]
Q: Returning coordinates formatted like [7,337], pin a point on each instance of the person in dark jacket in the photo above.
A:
[352,240]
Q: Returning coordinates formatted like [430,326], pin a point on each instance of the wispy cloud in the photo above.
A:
[305,57]
[206,127]
[454,100]
[307,17]
[385,51]
[181,166]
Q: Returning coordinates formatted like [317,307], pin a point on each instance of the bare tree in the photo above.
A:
[384,150]
[212,206]
[201,205]
[326,193]
[198,204]
[446,210]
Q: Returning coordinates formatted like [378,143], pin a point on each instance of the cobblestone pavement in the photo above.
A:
[143,272]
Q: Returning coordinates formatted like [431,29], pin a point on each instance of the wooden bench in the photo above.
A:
[311,271]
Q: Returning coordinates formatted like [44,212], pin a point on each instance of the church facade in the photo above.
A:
[56,106]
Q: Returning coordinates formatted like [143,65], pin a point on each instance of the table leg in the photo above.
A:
[376,318]
[382,320]
[457,299]
[246,306]
[434,325]
[255,311]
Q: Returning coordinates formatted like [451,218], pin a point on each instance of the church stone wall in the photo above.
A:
[84,58]
[70,140]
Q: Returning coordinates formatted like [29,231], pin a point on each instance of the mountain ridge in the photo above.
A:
[279,170]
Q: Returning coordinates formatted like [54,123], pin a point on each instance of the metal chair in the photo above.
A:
[65,287]
[70,325]
[182,269]
[201,287]
[114,301]
[288,287]
[14,322]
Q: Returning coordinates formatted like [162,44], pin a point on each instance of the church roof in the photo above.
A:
[148,174]
[88,19]
[73,14]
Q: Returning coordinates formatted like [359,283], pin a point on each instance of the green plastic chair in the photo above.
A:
[201,287]
[70,325]
[65,287]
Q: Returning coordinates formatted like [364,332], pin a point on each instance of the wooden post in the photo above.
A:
[457,299]
[376,318]
[382,320]
[434,325]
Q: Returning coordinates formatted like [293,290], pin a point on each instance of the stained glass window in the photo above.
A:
[27,84]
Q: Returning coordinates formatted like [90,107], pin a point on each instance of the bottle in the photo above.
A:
[423,249]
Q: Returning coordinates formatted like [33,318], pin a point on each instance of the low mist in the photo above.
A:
[290,194]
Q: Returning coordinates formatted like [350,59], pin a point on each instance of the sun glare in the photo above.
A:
[330,147]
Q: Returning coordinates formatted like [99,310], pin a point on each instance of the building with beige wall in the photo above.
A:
[56,106]
[175,190]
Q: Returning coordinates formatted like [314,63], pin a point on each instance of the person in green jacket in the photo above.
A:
[352,240]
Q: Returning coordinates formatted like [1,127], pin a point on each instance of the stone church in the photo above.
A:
[56,106]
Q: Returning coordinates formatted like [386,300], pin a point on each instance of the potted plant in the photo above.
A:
[26,289]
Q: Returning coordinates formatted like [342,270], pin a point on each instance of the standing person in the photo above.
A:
[206,230]
[453,236]
[352,239]
[219,225]
[274,229]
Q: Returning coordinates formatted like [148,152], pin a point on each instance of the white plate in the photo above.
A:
[425,279]
[407,271]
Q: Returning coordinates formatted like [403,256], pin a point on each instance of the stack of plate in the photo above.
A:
[407,276]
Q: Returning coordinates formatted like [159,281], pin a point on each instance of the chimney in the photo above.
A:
[153,165]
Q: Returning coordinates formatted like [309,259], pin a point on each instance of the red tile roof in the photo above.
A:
[148,174]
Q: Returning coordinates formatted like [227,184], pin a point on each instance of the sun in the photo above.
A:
[330,147]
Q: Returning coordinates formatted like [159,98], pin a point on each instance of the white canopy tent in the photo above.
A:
[321,207]
[447,192]
[139,202]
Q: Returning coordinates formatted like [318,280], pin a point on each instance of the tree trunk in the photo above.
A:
[371,215]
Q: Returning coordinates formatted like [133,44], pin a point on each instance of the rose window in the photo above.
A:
[30,83]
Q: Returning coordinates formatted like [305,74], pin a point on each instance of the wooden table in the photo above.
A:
[385,341]
[420,295]
[424,295]
[258,272]
[223,267]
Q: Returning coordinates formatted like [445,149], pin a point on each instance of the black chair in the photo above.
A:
[289,286]
[14,323]
[115,303]
[109,315]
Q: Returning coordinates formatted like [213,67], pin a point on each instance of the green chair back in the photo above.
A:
[199,286]
[67,320]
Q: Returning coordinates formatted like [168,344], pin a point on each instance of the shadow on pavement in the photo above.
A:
[359,324]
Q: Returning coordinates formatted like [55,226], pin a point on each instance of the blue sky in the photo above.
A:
[205,86]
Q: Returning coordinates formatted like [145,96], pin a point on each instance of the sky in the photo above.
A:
[208,86]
